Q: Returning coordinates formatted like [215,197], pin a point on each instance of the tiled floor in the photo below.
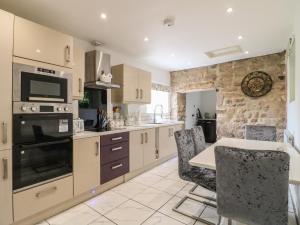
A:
[147,199]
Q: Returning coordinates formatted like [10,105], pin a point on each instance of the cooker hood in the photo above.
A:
[98,71]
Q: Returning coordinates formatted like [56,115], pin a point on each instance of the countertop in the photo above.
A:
[87,134]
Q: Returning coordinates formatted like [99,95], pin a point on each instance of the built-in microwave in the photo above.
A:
[36,84]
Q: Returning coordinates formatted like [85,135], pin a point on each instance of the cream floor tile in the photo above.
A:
[190,207]
[42,223]
[106,201]
[292,219]
[169,186]
[185,191]
[79,215]
[174,176]
[210,214]
[152,198]
[161,219]
[130,213]
[147,179]
[102,221]
[129,189]
[162,171]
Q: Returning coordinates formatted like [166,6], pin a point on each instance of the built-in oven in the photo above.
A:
[42,149]
[37,84]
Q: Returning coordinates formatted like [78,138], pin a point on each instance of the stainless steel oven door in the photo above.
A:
[36,84]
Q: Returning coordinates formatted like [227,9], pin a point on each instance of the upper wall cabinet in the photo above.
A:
[135,85]
[6,46]
[40,43]
[78,73]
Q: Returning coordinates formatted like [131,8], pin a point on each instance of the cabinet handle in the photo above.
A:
[142,138]
[169,132]
[5,168]
[4,133]
[117,138]
[98,148]
[117,166]
[68,53]
[116,149]
[45,192]
[80,85]
[141,94]
[146,137]
[172,132]
[137,93]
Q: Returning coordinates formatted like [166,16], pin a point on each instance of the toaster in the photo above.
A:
[78,126]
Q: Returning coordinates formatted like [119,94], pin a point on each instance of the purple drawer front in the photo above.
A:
[114,170]
[111,153]
[111,139]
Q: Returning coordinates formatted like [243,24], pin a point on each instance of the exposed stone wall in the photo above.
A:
[234,109]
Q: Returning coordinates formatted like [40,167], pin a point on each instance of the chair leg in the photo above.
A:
[219,220]
[176,209]
[229,221]
[202,196]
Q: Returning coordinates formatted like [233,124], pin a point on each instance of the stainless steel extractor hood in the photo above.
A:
[97,64]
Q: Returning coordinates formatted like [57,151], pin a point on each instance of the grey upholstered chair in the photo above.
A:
[200,145]
[199,139]
[260,132]
[252,185]
[203,177]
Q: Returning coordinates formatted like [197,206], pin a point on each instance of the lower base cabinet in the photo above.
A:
[34,200]
[142,148]
[6,213]
[86,164]
[167,143]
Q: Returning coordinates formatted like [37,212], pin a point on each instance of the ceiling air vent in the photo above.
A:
[224,51]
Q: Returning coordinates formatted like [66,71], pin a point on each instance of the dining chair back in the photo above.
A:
[260,132]
[252,185]
[199,139]
[186,151]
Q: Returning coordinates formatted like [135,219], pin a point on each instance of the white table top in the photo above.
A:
[206,158]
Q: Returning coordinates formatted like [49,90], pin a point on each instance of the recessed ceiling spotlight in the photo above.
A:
[146,39]
[229,10]
[173,54]
[246,52]
[240,37]
[103,16]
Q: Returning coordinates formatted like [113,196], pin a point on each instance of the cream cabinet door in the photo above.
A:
[6,46]
[78,73]
[136,143]
[149,147]
[6,213]
[164,141]
[131,91]
[173,145]
[145,86]
[86,164]
[40,43]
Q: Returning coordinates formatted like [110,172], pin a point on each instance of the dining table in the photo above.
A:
[206,158]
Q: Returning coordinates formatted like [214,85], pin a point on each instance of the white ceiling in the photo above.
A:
[200,26]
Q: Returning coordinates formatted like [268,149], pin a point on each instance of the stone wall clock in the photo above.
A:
[257,84]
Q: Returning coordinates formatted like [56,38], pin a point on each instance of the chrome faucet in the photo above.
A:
[162,112]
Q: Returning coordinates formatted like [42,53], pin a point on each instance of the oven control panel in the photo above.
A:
[30,108]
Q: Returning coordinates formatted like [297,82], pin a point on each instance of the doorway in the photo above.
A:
[200,110]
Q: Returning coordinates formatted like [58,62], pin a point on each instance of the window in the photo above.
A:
[159,98]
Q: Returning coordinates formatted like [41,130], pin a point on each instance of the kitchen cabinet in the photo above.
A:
[36,42]
[149,149]
[142,148]
[86,164]
[6,46]
[135,85]
[167,143]
[6,213]
[115,156]
[78,73]
[37,199]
